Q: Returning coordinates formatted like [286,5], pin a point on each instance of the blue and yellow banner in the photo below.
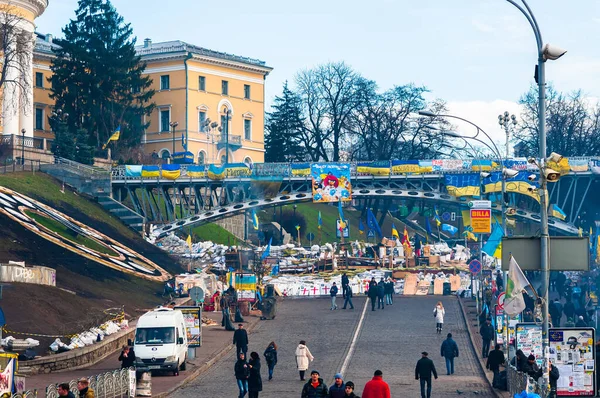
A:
[237,170]
[425,166]
[150,171]
[377,168]
[483,165]
[463,184]
[196,171]
[557,212]
[133,171]
[406,166]
[300,169]
[216,172]
[517,184]
[171,171]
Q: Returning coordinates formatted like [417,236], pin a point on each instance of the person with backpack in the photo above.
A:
[270,355]
[449,350]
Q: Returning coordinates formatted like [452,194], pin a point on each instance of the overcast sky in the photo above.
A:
[478,55]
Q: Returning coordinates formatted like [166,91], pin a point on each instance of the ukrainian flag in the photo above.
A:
[216,172]
[405,166]
[483,165]
[425,166]
[300,169]
[557,212]
[171,171]
[254,219]
[196,171]
[463,184]
[395,233]
[150,171]
[378,168]
[470,235]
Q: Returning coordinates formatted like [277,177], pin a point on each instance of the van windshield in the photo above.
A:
[164,335]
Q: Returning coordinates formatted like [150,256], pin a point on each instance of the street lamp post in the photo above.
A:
[545,52]
[226,130]
[173,126]
[23,148]
[507,123]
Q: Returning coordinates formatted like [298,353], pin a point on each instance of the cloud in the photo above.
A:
[482,27]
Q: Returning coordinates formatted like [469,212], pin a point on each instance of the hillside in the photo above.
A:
[96,286]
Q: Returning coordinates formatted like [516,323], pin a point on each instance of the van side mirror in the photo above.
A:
[180,340]
[129,342]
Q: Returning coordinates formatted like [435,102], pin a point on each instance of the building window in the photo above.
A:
[202,83]
[224,87]
[247,129]
[165,155]
[201,158]
[165,118]
[39,119]
[165,83]
[202,127]
[246,91]
[39,79]
[223,159]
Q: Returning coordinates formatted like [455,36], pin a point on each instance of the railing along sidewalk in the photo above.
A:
[519,381]
[111,384]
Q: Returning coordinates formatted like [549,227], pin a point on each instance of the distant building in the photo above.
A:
[196,88]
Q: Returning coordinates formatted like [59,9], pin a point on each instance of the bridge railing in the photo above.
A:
[376,168]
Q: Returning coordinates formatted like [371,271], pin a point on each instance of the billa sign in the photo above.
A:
[481,221]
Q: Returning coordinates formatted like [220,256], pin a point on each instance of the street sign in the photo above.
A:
[196,294]
[446,216]
[453,216]
[501,300]
[310,236]
[475,266]
[371,234]
[481,221]
[480,204]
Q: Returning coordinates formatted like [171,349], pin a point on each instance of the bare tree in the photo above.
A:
[16,46]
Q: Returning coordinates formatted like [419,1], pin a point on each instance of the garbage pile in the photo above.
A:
[13,344]
[89,337]
[203,254]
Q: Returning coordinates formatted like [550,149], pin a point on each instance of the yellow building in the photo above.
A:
[196,89]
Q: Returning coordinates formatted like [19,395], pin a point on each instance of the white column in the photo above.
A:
[27,110]
[10,98]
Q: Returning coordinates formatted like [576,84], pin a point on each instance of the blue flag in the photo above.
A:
[427,226]
[267,250]
[372,222]
[451,229]
[320,221]
[361,227]
[340,210]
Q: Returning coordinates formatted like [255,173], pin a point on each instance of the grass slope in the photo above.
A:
[214,233]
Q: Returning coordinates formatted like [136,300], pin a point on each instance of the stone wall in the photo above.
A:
[27,274]
[234,224]
[78,358]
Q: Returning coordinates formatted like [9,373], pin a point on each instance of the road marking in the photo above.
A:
[353,343]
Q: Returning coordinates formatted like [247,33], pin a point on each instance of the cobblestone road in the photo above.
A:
[390,340]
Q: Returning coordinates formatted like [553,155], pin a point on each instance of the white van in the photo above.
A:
[161,341]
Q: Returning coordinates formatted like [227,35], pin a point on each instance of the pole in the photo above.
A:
[23,149]
[227,137]
[173,133]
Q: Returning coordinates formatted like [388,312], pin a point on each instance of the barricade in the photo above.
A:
[116,383]
[519,381]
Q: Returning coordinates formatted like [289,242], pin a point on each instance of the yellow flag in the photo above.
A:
[189,241]
[115,137]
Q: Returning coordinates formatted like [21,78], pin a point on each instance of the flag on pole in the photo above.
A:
[298,227]
[405,240]
[493,246]
[341,214]
[427,227]
[115,137]
[436,217]
[451,229]
[361,227]
[189,241]
[395,233]
[267,251]
[470,235]
[320,221]
[514,303]
[372,223]
[254,219]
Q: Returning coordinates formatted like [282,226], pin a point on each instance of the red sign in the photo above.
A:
[501,301]
[481,221]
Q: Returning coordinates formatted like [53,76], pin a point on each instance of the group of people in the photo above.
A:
[83,387]
[381,292]
[315,387]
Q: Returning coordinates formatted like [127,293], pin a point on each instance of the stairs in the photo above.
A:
[129,217]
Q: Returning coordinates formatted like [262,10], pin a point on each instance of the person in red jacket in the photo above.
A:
[377,388]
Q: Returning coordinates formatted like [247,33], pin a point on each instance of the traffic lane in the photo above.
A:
[327,334]
[392,340]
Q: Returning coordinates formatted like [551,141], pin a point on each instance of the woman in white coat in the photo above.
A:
[438,313]
[303,358]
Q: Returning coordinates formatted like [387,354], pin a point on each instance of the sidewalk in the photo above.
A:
[216,342]
[469,310]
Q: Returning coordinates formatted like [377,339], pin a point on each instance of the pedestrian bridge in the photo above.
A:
[175,196]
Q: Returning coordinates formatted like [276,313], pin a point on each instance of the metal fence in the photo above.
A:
[10,165]
[105,385]
[519,381]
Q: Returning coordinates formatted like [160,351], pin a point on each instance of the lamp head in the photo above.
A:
[552,53]
[531,161]
[23,131]
[427,113]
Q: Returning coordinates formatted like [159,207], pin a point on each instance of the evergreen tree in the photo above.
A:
[97,79]
[284,126]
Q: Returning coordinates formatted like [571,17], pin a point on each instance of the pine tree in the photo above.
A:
[284,126]
[98,78]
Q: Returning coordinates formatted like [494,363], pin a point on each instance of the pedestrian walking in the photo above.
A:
[348,297]
[345,282]
[495,359]
[338,388]
[376,387]
[554,376]
[333,293]
[240,339]
[303,358]
[315,387]
[127,357]
[449,351]
[487,334]
[499,282]
[254,379]
[389,292]
[423,371]
[372,293]
[380,294]
[83,385]
[63,391]
[271,358]
[438,314]
[349,390]
[242,372]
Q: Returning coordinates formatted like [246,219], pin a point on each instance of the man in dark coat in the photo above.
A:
[372,293]
[315,387]
[345,282]
[350,390]
[380,294]
[63,391]
[555,309]
[532,368]
[240,339]
[554,376]
[348,297]
[338,388]
[449,350]
[254,379]
[127,357]
[487,334]
[495,359]
[425,368]
[389,292]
